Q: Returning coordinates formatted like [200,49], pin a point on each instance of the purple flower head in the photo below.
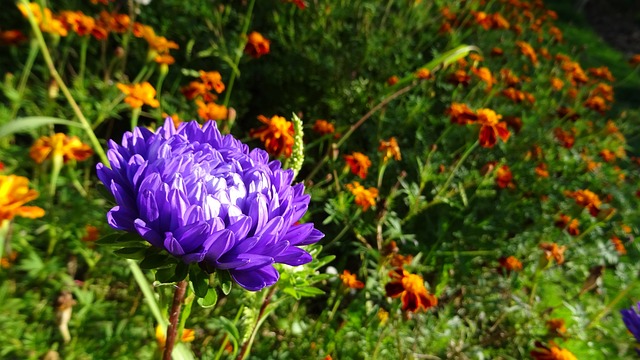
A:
[205,198]
[631,319]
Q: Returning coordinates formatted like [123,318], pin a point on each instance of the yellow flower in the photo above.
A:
[350,280]
[365,198]
[276,135]
[188,335]
[59,145]
[14,193]
[390,149]
[211,111]
[139,94]
[45,19]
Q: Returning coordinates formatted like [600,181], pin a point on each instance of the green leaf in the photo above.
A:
[155,260]
[210,299]
[165,275]
[133,253]
[309,291]
[200,282]
[32,122]
[122,240]
[226,283]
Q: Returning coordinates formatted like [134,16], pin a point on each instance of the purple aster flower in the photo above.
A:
[631,319]
[206,199]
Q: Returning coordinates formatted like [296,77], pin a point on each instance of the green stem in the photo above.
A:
[455,169]
[613,302]
[536,278]
[174,318]
[83,60]
[134,118]
[28,65]
[4,232]
[246,347]
[239,51]
[225,341]
[76,182]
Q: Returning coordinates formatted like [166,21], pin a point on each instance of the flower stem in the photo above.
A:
[610,305]
[134,118]
[33,54]
[236,62]
[246,347]
[174,317]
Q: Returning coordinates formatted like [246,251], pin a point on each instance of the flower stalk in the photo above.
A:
[174,317]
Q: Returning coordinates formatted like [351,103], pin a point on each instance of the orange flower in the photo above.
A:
[596,103]
[496,51]
[586,199]
[212,111]
[158,45]
[604,90]
[139,94]
[553,251]
[14,193]
[556,326]
[276,135]
[461,114]
[359,163]
[364,198]
[165,59]
[411,289]
[617,243]
[509,77]
[390,149]
[11,37]
[7,261]
[556,84]
[392,80]
[518,96]
[44,18]
[423,74]
[551,353]
[212,80]
[188,335]
[59,145]
[566,138]
[257,45]
[510,264]
[635,60]
[484,74]
[491,128]
[195,89]
[323,127]
[541,170]
[350,280]
[607,155]
[92,235]
[527,50]
[483,19]
[504,178]
[556,33]
[459,77]
[602,73]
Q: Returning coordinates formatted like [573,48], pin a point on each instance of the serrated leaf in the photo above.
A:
[210,299]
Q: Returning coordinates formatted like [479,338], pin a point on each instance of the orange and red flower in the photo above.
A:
[491,128]
[350,280]
[212,111]
[410,288]
[390,149]
[587,199]
[139,94]
[59,145]
[14,193]
[510,264]
[365,198]
[323,127]
[553,251]
[257,45]
[359,163]
[553,352]
[276,135]
[619,246]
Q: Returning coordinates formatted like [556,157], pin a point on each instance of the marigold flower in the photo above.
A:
[212,111]
[635,60]
[484,74]
[551,353]
[365,198]
[350,280]
[619,246]
[510,264]
[566,138]
[607,155]
[541,170]
[556,33]
[518,96]
[596,103]
[411,289]
[392,80]
[496,51]
[44,18]
[206,199]
[423,74]
[165,59]
[359,163]
[603,90]
[257,45]
[188,335]
[390,149]
[139,94]
[572,225]
[212,80]
[527,50]
[491,128]
[118,23]
[602,73]
[504,177]
[59,145]
[195,89]
[158,44]
[14,193]
[509,77]
[323,127]
[277,135]
[587,199]
[459,77]
[12,37]
[461,114]
[556,326]
[483,19]
[92,233]
[499,22]
[557,84]
[7,261]
[553,251]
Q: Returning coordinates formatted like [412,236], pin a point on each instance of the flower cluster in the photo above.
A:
[206,199]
